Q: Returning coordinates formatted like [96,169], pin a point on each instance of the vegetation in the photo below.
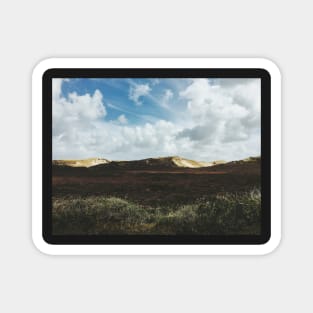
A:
[165,196]
[222,213]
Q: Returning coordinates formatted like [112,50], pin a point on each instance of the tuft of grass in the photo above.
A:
[223,214]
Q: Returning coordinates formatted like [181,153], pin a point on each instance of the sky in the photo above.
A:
[131,118]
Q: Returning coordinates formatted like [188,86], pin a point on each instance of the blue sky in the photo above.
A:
[118,100]
[128,118]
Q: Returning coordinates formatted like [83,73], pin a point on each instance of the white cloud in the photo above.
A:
[220,122]
[136,91]
[56,88]
[154,81]
[166,97]
[122,119]
[168,94]
[80,131]
[222,114]
[75,119]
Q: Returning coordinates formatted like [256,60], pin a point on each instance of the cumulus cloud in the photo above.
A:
[74,118]
[77,107]
[221,121]
[56,88]
[168,94]
[155,81]
[166,97]
[230,82]
[80,130]
[137,91]
[122,119]
[222,114]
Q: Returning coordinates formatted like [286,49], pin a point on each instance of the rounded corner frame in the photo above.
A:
[257,249]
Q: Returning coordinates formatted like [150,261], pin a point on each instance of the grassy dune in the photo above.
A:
[224,213]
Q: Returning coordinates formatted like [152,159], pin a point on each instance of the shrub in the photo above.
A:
[225,213]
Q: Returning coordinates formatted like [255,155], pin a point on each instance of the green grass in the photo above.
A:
[223,214]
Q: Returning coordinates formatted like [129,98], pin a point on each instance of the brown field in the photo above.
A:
[167,190]
[158,185]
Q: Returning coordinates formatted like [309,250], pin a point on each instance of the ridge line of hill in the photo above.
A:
[161,162]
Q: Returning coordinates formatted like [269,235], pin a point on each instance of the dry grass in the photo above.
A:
[223,214]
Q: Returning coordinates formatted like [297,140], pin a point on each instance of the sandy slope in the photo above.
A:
[81,163]
[166,162]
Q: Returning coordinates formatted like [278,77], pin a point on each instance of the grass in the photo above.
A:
[222,214]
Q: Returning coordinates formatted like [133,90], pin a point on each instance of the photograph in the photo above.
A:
[156,156]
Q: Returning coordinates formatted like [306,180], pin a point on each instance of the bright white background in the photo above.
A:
[34,30]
